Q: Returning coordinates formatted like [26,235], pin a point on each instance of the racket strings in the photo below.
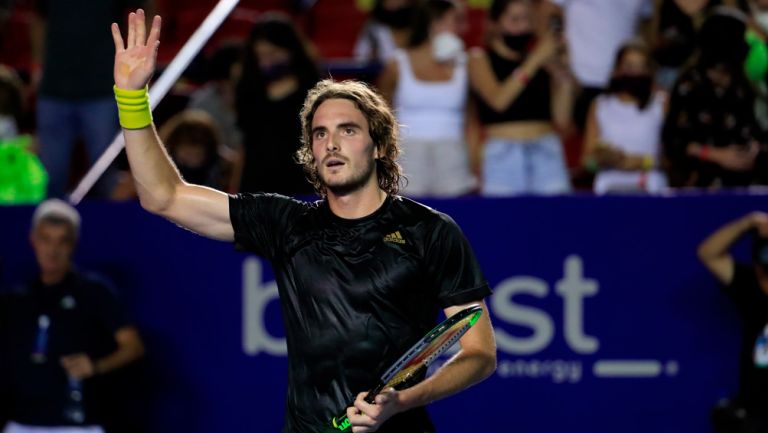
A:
[431,352]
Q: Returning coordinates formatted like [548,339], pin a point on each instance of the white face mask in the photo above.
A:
[8,127]
[446,46]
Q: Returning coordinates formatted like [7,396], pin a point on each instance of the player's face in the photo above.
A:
[53,245]
[345,156]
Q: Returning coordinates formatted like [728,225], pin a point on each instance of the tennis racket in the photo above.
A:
[416,360]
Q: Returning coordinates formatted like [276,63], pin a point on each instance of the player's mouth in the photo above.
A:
[334,163]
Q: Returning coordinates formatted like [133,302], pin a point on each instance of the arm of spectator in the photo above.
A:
[37,30]
[129,348]
[160,188]
[598,154]
[499,95]
[563,94]
[732,157]
[388,81]
[714,250]
[591,138]
[474,137]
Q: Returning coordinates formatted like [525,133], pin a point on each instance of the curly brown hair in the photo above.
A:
[382,126]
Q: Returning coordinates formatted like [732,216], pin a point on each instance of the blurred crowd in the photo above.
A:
[495,97]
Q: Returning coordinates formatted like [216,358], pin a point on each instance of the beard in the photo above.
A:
[354,182]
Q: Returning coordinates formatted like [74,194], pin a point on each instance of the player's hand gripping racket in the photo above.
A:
[416,360]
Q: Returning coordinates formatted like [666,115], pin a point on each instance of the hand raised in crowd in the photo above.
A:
[136,58]
[78,366]
[547,48]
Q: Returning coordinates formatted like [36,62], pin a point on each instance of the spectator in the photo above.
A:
[217,96]
[747,285]
[194,144]
[623,134]
[524,94]
[22,177]
[387,30]
[675,26]
[277,74]
[62,336]
[710,131]
[75,94]
[427,85]
[594,31]
[11,103]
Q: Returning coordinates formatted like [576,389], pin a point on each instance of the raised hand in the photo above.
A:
[135,62]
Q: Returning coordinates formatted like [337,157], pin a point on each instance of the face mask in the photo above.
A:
[519,42]
[446,46]
[276,71]
[398,18]
[639,86]
[8,127]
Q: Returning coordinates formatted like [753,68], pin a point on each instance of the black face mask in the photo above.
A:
[397,19]
[519,42]
[639,86]
[276,71]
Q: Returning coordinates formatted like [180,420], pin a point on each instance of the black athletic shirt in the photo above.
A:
[355,294]
[752,303]
[84,316]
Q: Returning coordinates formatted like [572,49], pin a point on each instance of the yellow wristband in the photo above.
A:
[133,108]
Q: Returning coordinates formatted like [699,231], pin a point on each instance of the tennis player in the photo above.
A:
[362,273]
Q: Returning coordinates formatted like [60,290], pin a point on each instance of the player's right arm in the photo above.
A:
[161,189]
[714,251]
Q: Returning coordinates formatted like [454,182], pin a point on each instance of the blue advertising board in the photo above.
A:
[604,318]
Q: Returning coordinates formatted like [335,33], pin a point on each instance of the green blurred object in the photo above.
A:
[756,65]
[23,179]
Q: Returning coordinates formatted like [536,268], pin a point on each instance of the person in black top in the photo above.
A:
[710,133]
[747,286]
[74,92]
[362,274]
[524,93]
[277,74]
[62,336]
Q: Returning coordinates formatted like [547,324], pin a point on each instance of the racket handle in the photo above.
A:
[341,422]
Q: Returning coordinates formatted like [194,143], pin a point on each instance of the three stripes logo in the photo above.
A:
[395,237]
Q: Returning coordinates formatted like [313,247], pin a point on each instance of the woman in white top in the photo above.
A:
[427,85]
[623,133]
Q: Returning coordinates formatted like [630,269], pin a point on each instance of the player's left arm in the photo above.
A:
[475,361]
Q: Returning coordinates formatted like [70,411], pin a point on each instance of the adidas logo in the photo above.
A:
[395,237]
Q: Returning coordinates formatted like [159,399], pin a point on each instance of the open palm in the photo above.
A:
[135,61]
